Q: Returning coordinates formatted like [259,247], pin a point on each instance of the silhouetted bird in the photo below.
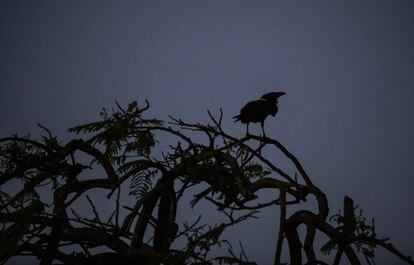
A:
[258,110]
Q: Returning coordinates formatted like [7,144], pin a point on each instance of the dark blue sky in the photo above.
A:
[347,68]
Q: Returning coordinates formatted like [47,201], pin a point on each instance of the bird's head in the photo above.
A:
[272,96]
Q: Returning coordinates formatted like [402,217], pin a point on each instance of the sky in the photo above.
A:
[347,68]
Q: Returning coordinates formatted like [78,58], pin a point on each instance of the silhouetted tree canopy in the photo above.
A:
[49,210]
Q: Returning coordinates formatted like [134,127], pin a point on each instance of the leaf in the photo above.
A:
[89,127]
[132,106]
[232,260]
[141,182]
[328,247]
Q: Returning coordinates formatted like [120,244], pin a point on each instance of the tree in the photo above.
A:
[119,148]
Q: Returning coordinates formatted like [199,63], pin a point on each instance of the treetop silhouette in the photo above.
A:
[42,214]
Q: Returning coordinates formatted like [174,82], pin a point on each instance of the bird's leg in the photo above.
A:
[262,123]
[247,130]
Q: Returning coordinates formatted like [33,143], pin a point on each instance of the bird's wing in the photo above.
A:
[248,109]
[255,111]
[252,105]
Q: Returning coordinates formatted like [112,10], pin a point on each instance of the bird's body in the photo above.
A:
[258,110]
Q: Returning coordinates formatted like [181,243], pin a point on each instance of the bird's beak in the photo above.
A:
[279,94]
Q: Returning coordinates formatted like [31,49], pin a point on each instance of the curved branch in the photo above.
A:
[288,154]
[393,250]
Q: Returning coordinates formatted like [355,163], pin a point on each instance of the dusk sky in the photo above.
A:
[347,68]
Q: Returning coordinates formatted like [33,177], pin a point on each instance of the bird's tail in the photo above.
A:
[236,118]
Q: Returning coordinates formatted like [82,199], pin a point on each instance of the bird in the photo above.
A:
[258,110]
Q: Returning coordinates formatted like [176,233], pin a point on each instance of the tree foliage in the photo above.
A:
[121,148]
